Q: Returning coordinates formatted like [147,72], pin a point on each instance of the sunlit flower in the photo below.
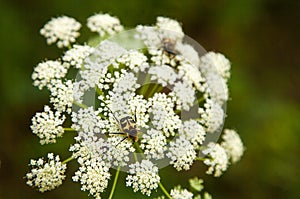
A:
[61,95]
[181,153]
[215,62]
[193,132]
[140,106]
[88,120]
[104,24]
[76,55]
[44,72]
[46,175]
[48,125]
[233,145]
[143,177]
[163,74]
[184,95]
[154,144]
[134,60]
[96,66]
[164,117]
[179,193]
[93,175]
[217,88]
[118,152]
[212,116]
[63,30]
[192,76]
[149,35]
[189,53]
[217,159]
[172,27]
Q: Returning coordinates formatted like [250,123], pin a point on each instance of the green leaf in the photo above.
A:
[196,183]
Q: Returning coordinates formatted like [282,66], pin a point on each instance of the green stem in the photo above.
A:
[201,99]
[69,129]
[155,88]
[115,183]
[68,160]
[98,90]
[200,159]
[80,105]
[145,85]
[135,157]
[177,112]
[139,149]
[164,190]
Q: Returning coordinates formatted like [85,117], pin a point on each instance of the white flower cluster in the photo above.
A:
[48,125]
[62,95]
[170,27]
[135,60]
[212,116]
[193,132]
[118,153]
[179,193]
[46,175]
[233,145]
[139,106]
[217,88]
[63,30]
[123,90]
[154,144]
[134,109]
[192,76]
[46,71]
[216,68]
[93,175]
[164,75]
[163,115]
[76,55]
[215,62]
[144,177]
[87,120]
[189,53]
[104,23]
[181,153]
[217,159]
[184,96]
[95,71]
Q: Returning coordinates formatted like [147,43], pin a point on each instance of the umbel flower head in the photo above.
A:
[62,30]
[141,100]
[46,175]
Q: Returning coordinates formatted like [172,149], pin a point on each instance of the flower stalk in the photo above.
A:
[114,183]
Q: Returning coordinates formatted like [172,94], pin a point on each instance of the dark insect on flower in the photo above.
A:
[128,127]
[168,46]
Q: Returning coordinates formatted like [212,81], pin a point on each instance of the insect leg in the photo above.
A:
[135,115]
[121,141]
[117,133]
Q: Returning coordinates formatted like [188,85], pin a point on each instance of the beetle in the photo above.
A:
[128,127]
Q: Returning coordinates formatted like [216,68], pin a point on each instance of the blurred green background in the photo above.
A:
[260,37]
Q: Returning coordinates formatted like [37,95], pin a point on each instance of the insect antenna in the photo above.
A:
[110,111]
